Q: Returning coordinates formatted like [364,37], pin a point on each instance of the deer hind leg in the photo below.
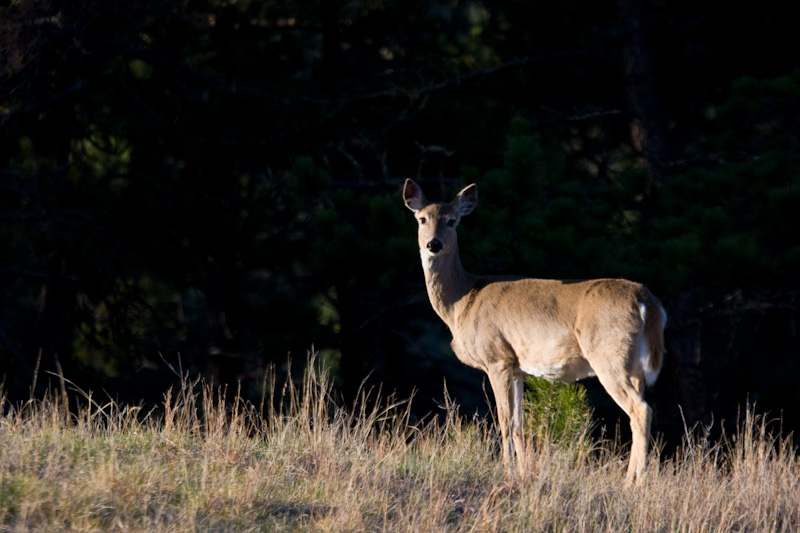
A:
[628,391]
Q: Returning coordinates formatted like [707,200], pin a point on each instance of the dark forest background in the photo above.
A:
[218,183]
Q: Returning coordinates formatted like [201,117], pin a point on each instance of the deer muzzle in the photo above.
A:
[435,246]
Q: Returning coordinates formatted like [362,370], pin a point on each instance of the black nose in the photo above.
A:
[435,246]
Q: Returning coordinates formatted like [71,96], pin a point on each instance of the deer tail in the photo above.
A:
[654,319]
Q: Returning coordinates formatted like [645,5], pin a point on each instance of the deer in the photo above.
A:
[561,330]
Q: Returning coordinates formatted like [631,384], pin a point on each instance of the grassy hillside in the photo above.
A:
[201,463]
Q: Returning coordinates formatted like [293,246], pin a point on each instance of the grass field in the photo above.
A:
[204,464]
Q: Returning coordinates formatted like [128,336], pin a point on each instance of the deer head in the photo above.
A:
[438,221]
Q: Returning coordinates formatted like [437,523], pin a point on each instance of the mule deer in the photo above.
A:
[559,330]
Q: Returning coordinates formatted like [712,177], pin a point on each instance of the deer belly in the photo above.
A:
[551,356]
[564,371]
[554,361]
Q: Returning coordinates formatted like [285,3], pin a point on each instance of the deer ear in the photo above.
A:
[413,196]
[466,200]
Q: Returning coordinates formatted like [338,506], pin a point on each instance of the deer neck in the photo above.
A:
[447,282]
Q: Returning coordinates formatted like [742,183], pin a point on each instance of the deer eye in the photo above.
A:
[451,222]
[423,220]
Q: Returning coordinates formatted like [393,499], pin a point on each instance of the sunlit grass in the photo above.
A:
[208,462]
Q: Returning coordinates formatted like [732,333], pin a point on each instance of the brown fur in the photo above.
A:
[560,330]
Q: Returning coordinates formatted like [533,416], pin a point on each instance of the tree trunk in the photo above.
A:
[648,123]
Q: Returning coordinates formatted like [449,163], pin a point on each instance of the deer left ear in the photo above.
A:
[466,200]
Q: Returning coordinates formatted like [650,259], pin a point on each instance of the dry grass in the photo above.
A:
[210,465]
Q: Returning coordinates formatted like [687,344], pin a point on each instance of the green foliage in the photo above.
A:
[731,220]
[556,412]
[543,215]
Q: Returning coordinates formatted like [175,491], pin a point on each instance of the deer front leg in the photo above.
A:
[504,387]
[517,419]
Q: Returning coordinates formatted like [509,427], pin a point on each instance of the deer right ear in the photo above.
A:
[413,196]
[466,200]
